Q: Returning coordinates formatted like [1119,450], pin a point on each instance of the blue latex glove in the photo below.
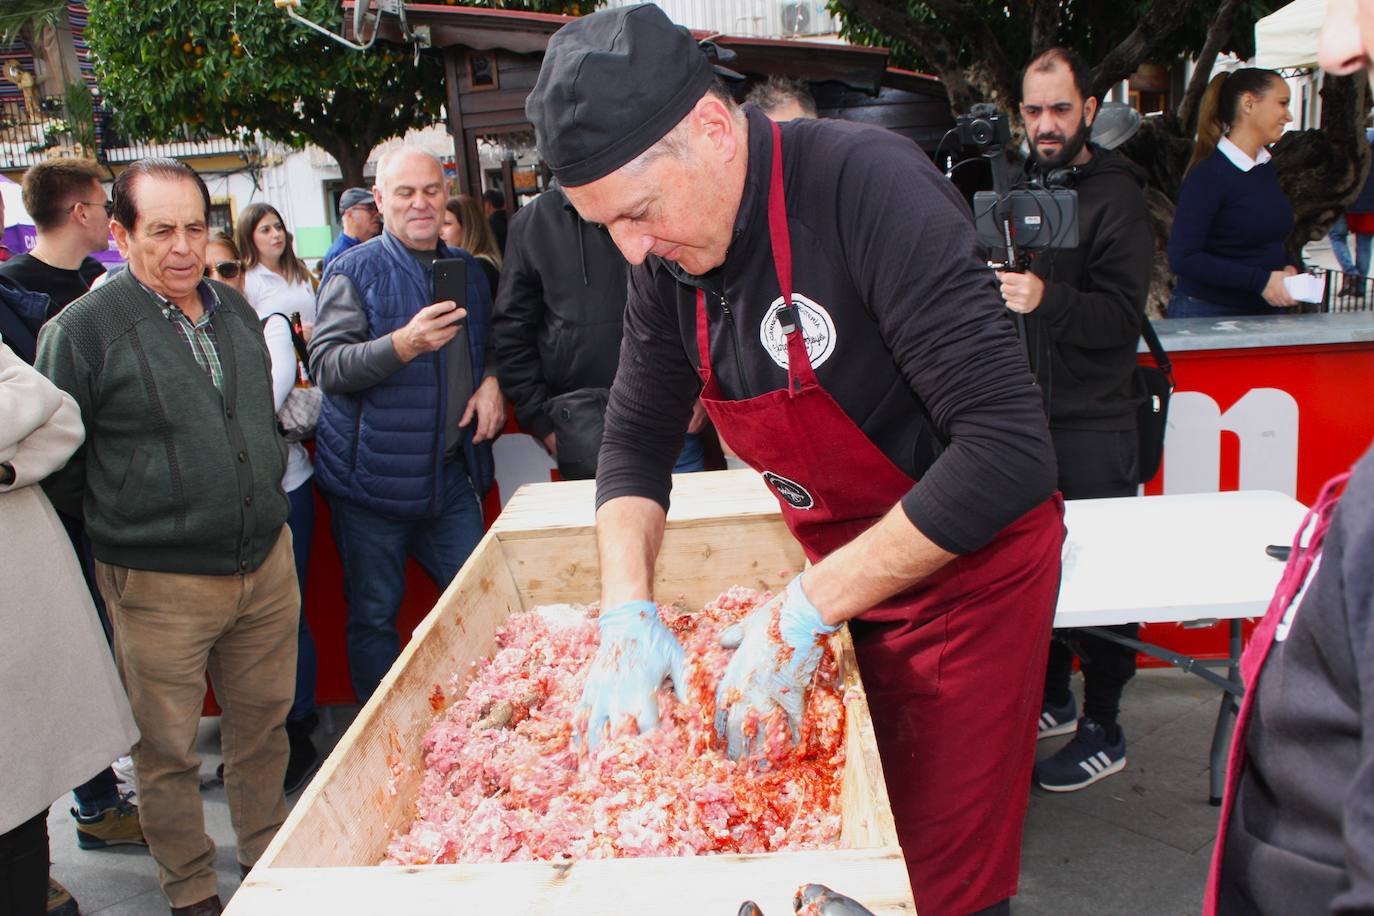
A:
[637,652]
[764,672]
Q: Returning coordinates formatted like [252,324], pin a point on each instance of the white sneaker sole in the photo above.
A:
[1063,728]
[1114,768]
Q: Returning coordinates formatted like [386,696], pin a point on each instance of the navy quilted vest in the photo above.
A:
[383,447]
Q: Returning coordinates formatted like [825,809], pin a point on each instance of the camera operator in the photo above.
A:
[1083,308]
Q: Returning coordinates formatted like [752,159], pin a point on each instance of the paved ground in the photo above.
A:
[1137,842]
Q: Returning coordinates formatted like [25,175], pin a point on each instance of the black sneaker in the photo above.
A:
[1083,761]
[304,759]
[1058,720]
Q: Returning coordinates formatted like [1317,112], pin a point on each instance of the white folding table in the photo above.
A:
[1195,559]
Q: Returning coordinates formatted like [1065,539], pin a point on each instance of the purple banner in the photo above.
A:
[21,239]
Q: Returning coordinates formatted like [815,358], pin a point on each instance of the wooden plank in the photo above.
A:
[664,887]
[697,562]
[714,496]
[865,809]
[725,529]
[365,789]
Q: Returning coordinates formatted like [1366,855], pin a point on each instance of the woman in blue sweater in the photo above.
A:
[1226,247]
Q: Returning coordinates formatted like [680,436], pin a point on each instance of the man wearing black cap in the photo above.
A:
[360,220]
[888,405]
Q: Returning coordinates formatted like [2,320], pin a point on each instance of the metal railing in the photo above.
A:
[1341,293]
[28,136]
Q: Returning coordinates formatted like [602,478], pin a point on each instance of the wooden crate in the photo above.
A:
[724,529]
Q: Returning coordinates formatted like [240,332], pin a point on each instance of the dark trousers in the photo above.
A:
[373,550]
[24,868]
[1094,464]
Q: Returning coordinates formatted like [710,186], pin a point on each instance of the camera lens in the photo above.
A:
[981,132]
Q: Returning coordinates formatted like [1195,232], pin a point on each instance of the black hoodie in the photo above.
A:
[1082,339]
[557,322]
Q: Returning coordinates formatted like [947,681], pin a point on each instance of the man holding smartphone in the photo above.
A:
[403,447]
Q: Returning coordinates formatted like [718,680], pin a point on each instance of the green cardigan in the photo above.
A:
[173,476]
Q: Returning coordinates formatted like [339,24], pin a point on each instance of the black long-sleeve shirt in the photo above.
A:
[908,333]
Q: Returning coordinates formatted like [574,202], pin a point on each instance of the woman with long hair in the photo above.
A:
[467,228]
[223,262]
[275,279]
[1227,244]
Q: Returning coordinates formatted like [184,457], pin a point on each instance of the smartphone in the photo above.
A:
[451,282]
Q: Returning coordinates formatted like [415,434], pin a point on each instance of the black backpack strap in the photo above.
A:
[1161,358]
[297,339]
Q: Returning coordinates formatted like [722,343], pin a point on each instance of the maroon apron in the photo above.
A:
[1295,575]
[954,668]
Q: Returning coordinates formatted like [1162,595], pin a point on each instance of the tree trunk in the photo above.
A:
[928,43]
[351,161]
[1321,171]
[1155,25]
[1161,150]
[1217,34]
[1045,16]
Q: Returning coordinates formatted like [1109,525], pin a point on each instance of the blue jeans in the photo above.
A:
[1359,266]
[301,521]
[373,550]
[692,458]
[1182,306]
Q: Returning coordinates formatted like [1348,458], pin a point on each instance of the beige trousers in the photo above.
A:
[169,630]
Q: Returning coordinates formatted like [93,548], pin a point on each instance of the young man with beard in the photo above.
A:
[1083,309]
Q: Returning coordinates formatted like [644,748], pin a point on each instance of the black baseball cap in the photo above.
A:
[612,85]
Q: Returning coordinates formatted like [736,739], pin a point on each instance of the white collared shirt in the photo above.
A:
[269,292]
[1238,156]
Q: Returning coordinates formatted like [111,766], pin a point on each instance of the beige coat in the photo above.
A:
[63,712]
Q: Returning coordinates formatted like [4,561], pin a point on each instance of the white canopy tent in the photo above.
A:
[15,214]
[1287,39]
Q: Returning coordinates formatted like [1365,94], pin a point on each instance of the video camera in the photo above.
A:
[1020,214]
[984,126]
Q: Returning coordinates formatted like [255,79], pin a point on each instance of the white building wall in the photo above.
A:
[752,18]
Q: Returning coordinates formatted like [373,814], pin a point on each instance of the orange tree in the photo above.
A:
[234,67]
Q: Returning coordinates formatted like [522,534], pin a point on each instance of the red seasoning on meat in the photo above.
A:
[505,782]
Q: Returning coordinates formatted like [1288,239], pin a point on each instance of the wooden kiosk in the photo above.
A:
[724,529]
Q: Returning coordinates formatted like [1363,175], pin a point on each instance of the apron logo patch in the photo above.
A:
[817,327]
[793,493]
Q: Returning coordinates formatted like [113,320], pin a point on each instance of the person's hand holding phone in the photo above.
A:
[431,328]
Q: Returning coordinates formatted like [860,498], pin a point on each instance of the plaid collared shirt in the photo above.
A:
[199,335]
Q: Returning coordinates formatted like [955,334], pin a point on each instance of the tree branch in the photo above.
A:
[1217,34]
[1044,25]
[1001,72]
[1156,24]
[893,20]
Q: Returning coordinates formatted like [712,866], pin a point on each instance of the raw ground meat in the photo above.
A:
[504,782]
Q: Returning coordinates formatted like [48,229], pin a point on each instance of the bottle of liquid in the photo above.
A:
[298,334]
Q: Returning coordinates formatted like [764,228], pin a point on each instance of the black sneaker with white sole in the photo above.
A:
[1058,720]
[1083,761]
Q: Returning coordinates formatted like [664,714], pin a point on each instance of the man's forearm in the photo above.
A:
[344,357]
[629,533]
[885,560]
